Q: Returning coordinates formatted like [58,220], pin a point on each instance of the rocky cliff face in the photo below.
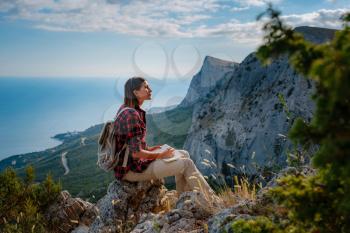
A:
[212,72]
[242,121]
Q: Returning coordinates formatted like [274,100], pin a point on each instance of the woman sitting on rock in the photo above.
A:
[143,162]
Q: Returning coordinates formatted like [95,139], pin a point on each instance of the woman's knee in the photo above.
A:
[185,153]
[188,162]
[190,168]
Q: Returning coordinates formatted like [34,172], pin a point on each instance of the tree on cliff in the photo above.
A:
[319,203]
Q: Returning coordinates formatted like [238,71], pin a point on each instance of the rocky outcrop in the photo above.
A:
[68,213]
[213,70]
[222,221]
[132,207]
[189,215]
[148,207]
[124,204]
[241,125]
[244,122]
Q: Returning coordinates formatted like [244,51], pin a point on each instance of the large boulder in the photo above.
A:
[68,212]
[190,215]
[125,202]
[221,222]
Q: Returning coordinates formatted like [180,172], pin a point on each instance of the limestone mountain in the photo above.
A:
[210,74]
[243,121]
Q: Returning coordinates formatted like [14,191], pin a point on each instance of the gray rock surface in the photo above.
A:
[241,120]
[222,221]
[189,215]
[125,202]
[68,212]
[148,207]
[244,122]
[206,79]
[81,229]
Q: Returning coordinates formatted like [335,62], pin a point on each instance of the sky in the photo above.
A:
[157,39]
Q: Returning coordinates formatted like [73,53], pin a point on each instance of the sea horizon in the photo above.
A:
[35,109]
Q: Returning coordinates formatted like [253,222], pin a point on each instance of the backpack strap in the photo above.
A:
[120,111]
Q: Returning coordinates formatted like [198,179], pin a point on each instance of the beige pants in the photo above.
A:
[187,176]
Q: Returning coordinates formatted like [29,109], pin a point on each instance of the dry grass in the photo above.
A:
[242,190]
[227,196]
[167,203]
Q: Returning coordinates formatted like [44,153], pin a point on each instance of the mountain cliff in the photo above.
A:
[241,124]
[243,120]
[211,73]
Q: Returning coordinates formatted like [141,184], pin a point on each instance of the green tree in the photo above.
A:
[23,202]
[319,203]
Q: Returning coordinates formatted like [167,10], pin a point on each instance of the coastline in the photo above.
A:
[54,143]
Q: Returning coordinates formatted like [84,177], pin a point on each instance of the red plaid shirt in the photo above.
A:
[131,128]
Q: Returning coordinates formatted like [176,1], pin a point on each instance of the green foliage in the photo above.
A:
[155,226]
[258,225]
[295,158]
[318,203]
[23,202]
[85,179]
[285,106]
[310,201]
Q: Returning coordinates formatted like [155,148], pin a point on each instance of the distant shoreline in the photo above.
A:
[71,135]
[35,151]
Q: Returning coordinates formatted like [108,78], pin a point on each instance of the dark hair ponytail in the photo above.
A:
[130,86]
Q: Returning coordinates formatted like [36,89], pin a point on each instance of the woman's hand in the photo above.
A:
[152,148]
[147,154]
[168,153]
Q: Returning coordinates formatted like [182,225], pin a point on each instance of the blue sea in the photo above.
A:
[32,110]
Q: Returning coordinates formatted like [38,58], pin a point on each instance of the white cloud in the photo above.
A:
[236,9]
[321,18]
[153,18]
[157,18]
[256,3]
[250,32]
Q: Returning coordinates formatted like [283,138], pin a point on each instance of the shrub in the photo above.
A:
[23,202]
[259,225]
